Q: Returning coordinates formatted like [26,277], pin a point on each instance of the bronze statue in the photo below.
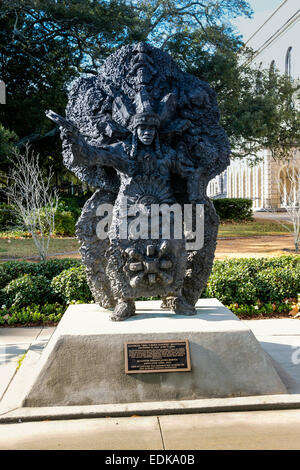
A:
[145,135]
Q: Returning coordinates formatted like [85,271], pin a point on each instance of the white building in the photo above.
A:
[276,42]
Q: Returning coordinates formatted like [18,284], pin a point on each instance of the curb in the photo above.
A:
[211,405]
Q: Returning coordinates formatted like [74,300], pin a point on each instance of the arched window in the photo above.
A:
[288,61]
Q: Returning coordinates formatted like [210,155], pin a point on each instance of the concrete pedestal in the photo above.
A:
[83,364]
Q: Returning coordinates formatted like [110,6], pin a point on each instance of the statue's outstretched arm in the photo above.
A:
[87,155]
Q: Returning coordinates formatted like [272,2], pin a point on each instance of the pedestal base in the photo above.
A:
[83,363]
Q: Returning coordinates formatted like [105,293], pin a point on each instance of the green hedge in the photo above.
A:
[28,290]
[51,268]
[8,216]
[71,203]
[259,310]
[65,222]
[45,314]
[71,285]
[246,285]
[246,281]
[233,208]
[68,211]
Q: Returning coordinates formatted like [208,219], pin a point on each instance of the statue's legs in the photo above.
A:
[179,305]
[124,309]
[182,307]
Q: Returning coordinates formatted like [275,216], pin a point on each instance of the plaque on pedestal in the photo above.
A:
[157,356]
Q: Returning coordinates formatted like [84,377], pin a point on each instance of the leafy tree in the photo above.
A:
[161,20]
[258,107]
[44,44]
[266,115]
[8,140]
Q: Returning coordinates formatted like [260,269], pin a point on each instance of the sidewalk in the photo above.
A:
[280,338]
[278,429]
[238,430]
[14,343]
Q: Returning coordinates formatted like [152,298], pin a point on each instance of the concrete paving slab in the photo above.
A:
[274,430]
[16,387]
[135,433]
[285,351]
[278,326]
[38,345]
[272,216]
[19,335]
[254,430]
[7,371]
[12,352]
[46,333]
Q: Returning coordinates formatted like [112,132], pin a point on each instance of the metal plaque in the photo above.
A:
[157,356]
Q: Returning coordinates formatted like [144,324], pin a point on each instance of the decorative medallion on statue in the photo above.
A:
[146,135]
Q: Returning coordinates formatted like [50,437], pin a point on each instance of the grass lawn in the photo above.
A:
[251,228]
[24,247]
[17,244]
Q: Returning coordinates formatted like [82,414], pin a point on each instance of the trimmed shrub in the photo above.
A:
[260,310]
[65,222]
[247,281]
[49,313]
[27,290]
[8,216]
[3,298]
[234,284]
[233,208]
[73,204]
[50,268]
[252,285]
[68,211]
[71,284]
[65,217]
[278,283]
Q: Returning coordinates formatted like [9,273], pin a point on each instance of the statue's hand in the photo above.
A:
[77,143]
[70,137]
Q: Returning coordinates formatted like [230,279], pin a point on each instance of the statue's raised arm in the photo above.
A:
[84,154]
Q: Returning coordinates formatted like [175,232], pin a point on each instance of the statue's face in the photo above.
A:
[146,133]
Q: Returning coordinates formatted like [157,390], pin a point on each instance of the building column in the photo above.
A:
[249,183]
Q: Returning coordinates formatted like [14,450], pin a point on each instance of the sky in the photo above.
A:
[263,5]
[262,10]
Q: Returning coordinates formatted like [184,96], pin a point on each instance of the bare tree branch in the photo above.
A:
[289,189]
[30,193]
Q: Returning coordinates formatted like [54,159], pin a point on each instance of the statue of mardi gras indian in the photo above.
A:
[147,135]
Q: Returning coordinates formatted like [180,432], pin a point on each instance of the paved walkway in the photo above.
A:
[234,430]
[255,247]
[231,430]
[272,216]
[280,338]
[14,343]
